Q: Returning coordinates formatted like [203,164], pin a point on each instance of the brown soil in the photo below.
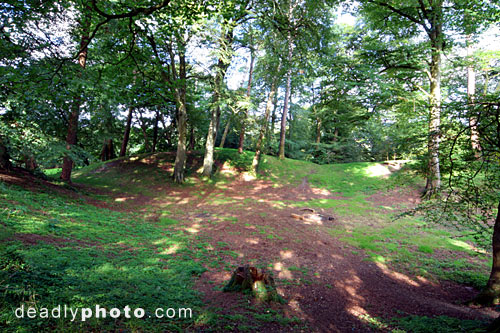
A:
[335,291]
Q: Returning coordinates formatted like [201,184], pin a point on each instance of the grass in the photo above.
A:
[408,246]
[81,255]
[89,256]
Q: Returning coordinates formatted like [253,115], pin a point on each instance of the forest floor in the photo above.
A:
[368,269]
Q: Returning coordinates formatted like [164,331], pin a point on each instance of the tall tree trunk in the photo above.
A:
[249,90]
[126,134]
[108,150]
[71,136]
[471,91]
[270,133]
[4,156]
[256,159]
[191,138]
[155,132]
[434,176]
[144,132]
[222,66]
[491,294]
[318,130]
[224,135]
[180,95]
[281,151]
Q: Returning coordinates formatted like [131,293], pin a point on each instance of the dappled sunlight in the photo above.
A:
[465,246]
[171,250]
[247,176]
[396,275]
[253,241]
[195,228]
[377,170]
[286,254]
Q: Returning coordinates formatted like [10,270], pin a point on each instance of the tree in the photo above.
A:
[232,14]
[71,137]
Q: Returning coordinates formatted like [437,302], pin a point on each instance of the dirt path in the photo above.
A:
[323,281]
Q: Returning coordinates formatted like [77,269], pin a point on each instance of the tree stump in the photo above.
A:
[248,279]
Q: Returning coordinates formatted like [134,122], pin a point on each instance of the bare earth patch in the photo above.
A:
[322,281]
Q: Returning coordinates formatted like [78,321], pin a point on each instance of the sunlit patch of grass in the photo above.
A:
[90,255]
[407,247]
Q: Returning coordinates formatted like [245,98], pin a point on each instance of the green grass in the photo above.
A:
[407,245]
[81,255]
[89,256]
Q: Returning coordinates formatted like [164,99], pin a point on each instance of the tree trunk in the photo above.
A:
[180,94]
[471,91]
[126,134]
[71,139]
[222,66]
[191,138]
[4,157]
[144,132]
[249,90]
[434,176]
[224,135]
[281,152]
[270,134]
[491,294]
[71,136]
[318,130]
[256,159]
[155,132]
[108,150]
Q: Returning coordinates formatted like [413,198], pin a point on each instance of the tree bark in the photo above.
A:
[222,66]
[4,157]
[180,95]
[270,133]
[144,132]
[281,151]
[71,137]
[191,138]
[224,135]
[249,90]
[256,159]
[434,176]
[491,294]
[471,92]
[155,132]
[126,134]
[108,150]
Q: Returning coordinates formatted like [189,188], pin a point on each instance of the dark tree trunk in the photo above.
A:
[270,133]
[471,92]
[281,151]
[71,139]
[245,116]
[258,147]
[71,136]
[126,134]
[144,132]
[491,294]
[4,157]
[155,132]
[222,66]
[30,162]
[224,135]
[108,150]
[191,138]
[180,95]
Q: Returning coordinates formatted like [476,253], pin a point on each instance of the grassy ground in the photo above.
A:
[60,250]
